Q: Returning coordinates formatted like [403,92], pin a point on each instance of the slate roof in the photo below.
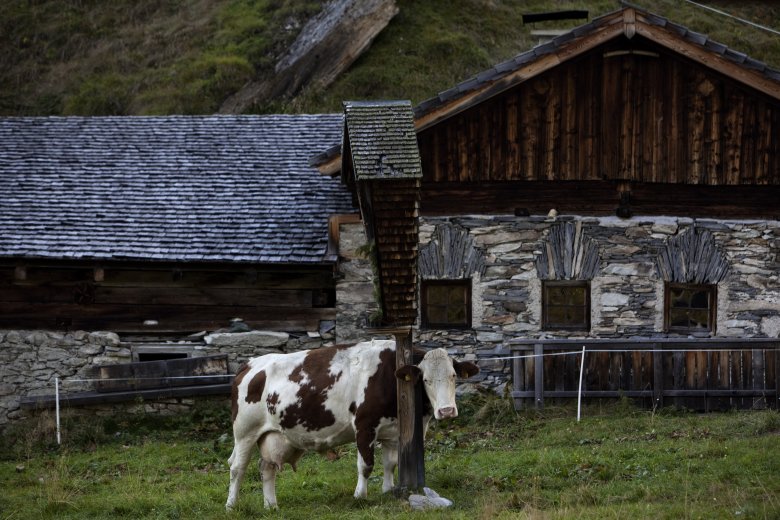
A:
[382,139]
[178,188]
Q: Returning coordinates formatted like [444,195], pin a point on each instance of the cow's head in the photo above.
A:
[438,372]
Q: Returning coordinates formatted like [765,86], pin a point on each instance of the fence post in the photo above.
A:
[57,407]
[579,388]
[539,375]
[777,376]
[658,377]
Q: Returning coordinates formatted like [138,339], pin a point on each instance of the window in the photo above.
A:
[446,303]
[689,307]
[566,305]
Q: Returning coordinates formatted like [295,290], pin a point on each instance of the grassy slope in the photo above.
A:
[433,45]
[617,463]
[186,56]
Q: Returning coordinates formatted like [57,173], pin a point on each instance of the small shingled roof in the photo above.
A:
[382,139]
[173,188]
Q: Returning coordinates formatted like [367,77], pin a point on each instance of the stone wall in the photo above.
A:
[31,360]
[626,288]
[355,299]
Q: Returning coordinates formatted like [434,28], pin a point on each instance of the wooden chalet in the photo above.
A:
[627,122]
[158,225]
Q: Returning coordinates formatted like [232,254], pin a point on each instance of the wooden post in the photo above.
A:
[776,403]
[539,375]
[411,456]
[658,377]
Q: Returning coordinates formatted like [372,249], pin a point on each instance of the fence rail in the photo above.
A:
[697,373]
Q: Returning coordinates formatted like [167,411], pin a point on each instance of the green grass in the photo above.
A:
[618,462]
[93,57]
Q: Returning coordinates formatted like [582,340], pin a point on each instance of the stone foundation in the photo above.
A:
[31,360]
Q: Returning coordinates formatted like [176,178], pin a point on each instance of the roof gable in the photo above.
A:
[627,22]
[179,188]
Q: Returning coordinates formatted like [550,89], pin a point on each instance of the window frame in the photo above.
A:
[425,322]
[546,325]
[711,289]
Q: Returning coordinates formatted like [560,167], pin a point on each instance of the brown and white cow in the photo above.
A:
[288,404]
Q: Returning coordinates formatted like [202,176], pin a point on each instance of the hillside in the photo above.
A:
[91,57]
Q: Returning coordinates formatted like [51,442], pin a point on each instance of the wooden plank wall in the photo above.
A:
[627,117]
[189,299]
[710,379]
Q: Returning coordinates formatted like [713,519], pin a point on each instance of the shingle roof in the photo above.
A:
[382,139]
[178,188]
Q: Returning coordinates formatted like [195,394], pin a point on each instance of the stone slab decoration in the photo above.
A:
[451,254]
[692,256]
[567,254]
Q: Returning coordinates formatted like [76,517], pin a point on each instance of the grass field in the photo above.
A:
[136,57]
[618,462]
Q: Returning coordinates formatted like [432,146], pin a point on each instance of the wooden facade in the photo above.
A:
[629,116]
[164,298]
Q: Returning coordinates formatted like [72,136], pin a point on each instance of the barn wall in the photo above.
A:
[626,292]
[161,298]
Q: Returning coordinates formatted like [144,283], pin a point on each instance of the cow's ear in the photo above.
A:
[465,369]
[408,373]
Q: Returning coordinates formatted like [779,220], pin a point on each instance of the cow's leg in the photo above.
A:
[239,459]
[365,460]
[389,462]
[274,452]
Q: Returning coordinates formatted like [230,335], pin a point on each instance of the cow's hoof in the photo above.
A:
[273,506]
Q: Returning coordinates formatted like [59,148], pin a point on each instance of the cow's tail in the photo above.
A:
[232,456]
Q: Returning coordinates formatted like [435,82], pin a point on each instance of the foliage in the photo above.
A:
[92,57]
[618,462]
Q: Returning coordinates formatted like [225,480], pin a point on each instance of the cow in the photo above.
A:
[288,404]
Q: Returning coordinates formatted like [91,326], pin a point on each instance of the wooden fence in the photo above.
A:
[700,374]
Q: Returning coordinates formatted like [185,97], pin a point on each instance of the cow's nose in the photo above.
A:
[448,412]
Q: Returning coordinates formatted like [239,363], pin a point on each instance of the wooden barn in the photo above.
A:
[615,188]
[126,242]
[157,225]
